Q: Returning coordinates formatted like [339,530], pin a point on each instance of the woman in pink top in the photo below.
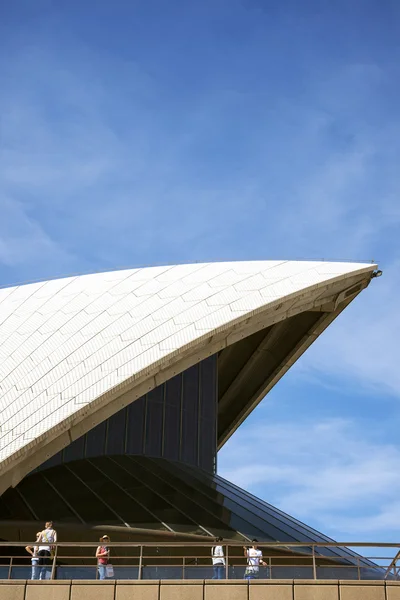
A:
[102,555]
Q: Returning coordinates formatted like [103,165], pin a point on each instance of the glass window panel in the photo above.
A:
[47,499]
[134,443]
[273,527]
[184,503]
[137,513]
[272,516]
[90,508]
[116,433]
[4,511]
[16,506]
[249,521]
[156,501]
[96,440]
[205,511]
[117,500]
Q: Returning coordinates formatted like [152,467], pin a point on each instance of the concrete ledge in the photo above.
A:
[197,589]
[308,590]
[48,590]
[140,590]
[392,591]
[92,590]
[362,590]
[170,590]
[231,589]
[12,590]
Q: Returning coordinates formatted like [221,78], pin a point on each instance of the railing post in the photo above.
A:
[270,567]
[314,563]
[10,567]
[358,569]
[53,568]
[140,563]
[227,562]
[183,567]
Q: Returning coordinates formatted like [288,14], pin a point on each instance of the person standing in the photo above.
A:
[218,560]
[46,539]
[33,551]
[103,555]
[254,558]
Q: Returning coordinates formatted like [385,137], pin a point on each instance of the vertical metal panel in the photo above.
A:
[115,443]
[176,421]
[134,444]
[74,451]
[154,422]
[95,440]
[190,402]
[172,412]
[208,414]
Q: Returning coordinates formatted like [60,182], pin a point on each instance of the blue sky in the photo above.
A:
[150,132]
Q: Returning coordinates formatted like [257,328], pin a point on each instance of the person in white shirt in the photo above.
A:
[254,559]
[218,560]
[33,551]
[46,539]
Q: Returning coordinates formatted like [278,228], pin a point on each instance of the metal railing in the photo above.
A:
[192,560]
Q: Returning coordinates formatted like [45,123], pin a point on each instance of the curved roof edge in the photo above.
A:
[236,301]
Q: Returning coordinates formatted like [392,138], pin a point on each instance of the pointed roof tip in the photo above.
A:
[71,346]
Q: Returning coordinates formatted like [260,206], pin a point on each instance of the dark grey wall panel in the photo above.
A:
[176,420]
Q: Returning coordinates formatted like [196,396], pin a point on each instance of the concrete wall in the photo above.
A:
[199,590]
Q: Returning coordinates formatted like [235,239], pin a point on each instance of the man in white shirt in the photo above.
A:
[46,539]
[218,560]
[254,559]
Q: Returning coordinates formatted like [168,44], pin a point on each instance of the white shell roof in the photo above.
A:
[64,343]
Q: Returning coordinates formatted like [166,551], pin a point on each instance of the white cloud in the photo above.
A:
[23,240]
[326,474]
[362,345]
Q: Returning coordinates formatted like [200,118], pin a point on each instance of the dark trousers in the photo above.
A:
[44,563]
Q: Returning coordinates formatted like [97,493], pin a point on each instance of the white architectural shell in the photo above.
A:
[70,347]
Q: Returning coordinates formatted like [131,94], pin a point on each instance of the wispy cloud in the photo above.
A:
[361,347]
[326,473]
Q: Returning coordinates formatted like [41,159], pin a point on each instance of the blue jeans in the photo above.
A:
[102,571]
[219,572]
[35,568]
[251,574]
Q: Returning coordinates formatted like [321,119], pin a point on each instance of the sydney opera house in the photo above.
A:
[118,389]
